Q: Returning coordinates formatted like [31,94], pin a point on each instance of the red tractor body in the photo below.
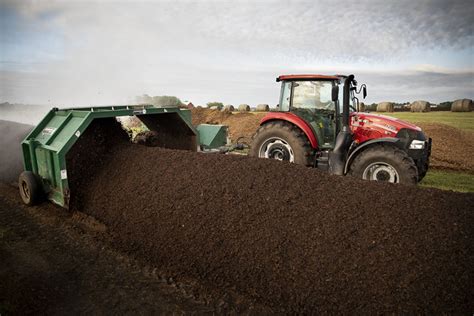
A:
[367,126]
[293,119]
[316,127]
[364,126]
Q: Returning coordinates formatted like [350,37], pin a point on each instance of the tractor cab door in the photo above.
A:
[312,101]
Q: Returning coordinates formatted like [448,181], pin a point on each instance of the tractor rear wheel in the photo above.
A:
[384,163]
[30,188]
[282,141]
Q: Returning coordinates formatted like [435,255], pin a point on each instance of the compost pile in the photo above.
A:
[241,125]
[288,237]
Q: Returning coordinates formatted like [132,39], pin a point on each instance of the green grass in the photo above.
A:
[446,180]
[462,120]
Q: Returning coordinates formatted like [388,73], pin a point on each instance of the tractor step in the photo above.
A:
[322,161]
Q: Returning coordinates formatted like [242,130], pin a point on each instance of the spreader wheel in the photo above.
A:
[30,188]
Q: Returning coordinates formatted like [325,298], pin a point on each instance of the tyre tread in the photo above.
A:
[300,137]
[409,169]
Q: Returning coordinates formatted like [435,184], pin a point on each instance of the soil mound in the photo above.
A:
[91,152]
[286,236]
[208,116]
[453,148]
[241,125]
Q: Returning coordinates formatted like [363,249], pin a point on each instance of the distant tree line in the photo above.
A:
[405,106]
[443,106]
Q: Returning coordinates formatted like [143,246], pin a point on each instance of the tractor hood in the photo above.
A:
[367,126]
[384,119]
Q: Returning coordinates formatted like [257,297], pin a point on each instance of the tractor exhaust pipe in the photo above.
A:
[337,158]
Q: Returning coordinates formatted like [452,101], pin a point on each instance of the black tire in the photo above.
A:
[385,159]
[422,169]
[30,188]
[293,143]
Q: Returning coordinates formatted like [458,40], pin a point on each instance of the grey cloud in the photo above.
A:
[431,86]
[237,87]
[233,50]
[361,30]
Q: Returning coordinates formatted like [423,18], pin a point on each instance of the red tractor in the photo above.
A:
[318,125]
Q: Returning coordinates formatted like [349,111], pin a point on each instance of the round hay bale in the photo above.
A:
[385,107]
[244,108]
[462,105]
[228,108]
[420,106]
[263,108]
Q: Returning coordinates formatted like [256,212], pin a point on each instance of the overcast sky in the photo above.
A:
[104,52]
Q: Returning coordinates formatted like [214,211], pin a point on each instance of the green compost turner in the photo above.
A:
[45,148]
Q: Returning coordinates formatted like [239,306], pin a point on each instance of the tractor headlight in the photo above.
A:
[417,144]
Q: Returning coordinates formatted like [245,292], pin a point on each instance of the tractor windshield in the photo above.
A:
[312,95]
[307,95]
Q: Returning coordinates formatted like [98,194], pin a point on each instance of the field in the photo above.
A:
[449,180]
[461,120]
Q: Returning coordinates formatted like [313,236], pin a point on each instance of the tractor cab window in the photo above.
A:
[341,96]
[312,95]
[341,99]
[285,96]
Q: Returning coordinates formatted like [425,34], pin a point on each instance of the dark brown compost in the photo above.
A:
[286,236]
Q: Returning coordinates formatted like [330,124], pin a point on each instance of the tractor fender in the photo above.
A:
[391,140]
[295,120]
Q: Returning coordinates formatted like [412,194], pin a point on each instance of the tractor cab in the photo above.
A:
[311,98]
[318,100]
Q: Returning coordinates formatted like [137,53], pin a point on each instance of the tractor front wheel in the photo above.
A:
[385,164]
[282,141]
[30,188]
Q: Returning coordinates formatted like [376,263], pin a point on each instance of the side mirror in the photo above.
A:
[335,93]
[364,92]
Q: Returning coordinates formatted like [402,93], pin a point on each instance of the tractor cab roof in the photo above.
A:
[308,77]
